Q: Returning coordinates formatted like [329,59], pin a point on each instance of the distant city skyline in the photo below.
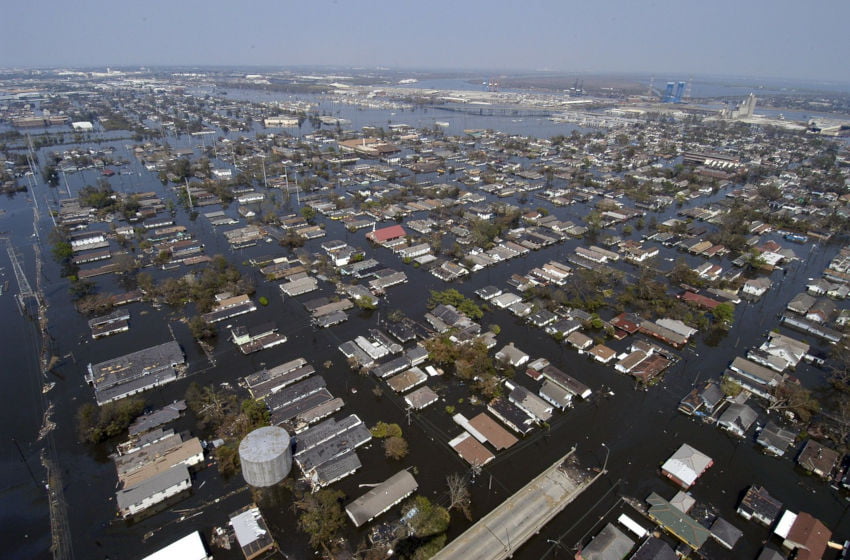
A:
[759,39]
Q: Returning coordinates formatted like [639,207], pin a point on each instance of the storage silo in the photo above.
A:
[266,456]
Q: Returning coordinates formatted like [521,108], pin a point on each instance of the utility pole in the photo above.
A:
[24,461]
[188,194]
[67,188]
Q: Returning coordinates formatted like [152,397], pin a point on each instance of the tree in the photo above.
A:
[395,447]
[383,430]
[81,288]
[453,297]
[429,519]
[682,273]
[730,387]
[201,329]
[99,424]
[841,418]
[227,457]
[257,413]
[62,251]
[724,313]
[840,367]
[459,496]
[308,213]
[794,398]
[366,303]
[210,405]
[321,516]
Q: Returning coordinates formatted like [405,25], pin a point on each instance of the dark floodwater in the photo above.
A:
[639,428]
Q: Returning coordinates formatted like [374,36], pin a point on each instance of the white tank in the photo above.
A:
[266,456]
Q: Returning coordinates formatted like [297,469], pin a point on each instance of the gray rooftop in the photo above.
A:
[135,495]
[136,364]
[609,544]
[381,498]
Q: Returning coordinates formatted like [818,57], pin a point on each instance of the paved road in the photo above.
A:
[502,531]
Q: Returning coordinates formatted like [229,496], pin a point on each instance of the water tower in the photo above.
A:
[266,456]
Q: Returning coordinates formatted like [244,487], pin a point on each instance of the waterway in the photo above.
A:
[639,429]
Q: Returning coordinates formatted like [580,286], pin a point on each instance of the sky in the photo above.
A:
[749,38]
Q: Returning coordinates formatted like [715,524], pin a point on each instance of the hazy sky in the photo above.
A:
[782,38]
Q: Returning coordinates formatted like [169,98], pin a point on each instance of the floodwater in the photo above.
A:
[639,429]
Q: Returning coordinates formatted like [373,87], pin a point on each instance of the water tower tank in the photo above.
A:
[266,456]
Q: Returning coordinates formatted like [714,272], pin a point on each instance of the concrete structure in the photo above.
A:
[381,498]
[521,516]
[266,456]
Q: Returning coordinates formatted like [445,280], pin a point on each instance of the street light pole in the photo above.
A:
[605,464]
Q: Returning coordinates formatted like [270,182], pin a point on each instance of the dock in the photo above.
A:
[501,532]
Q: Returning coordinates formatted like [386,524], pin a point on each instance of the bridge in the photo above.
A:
[501,532]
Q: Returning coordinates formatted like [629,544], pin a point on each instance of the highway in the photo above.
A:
[501,532]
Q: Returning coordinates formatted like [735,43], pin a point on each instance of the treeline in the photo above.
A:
[218,276]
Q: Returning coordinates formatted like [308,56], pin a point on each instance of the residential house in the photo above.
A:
[737,419]
[818,459]
[755,378]
[804,534]
[654,549]
[801,303]
[822,311]
[381,498]
[609,544]
[602,353]
[725,533]
[757,504]
[529,402]
[686,465]
[775,440]
[756,287]
[251,531]
[512,355]
[683,527]
[702,400]
[579,341]
[819,287]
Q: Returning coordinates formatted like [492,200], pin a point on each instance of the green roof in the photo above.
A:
[682,526]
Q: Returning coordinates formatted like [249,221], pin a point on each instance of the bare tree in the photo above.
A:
[395,447]
[459,496]
[794,398]
[840,417]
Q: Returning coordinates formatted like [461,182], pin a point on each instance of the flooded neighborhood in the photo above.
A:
[387,314]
